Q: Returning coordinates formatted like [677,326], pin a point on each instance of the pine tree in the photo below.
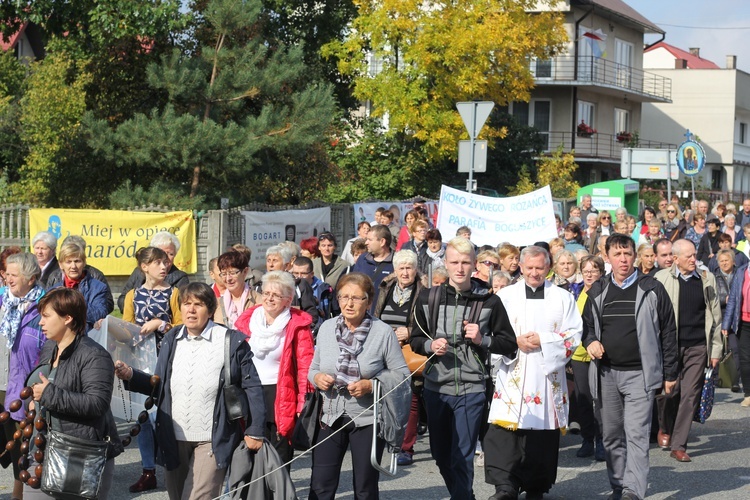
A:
[235,108]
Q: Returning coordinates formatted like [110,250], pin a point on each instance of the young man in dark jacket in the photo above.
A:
[455,378]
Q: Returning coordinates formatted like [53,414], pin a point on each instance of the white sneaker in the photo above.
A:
[745,402]
[479,461]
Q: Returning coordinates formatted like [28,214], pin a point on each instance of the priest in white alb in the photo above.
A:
[529,408]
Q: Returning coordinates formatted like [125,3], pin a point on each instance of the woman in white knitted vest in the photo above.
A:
[195,438]
[282,344]
[352,349]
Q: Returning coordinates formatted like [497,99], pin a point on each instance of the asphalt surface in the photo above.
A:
[720,468]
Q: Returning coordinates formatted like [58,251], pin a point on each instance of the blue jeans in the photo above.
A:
[454,423]
[146,439]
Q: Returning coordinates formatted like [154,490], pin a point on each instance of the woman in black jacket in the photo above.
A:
[74,379]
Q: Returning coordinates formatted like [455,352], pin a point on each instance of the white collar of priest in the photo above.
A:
[535,292]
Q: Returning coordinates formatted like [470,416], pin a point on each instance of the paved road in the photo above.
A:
[720,468]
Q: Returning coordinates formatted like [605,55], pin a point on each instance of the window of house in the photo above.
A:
[586,113]
[541,68]
[716,180]
[622,120]
[537,113]
[743,133]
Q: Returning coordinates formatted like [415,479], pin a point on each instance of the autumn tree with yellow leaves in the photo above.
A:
[430,55]
[556,171]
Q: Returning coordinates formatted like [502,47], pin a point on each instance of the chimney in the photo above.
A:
[696,51]
[680,64]
[731,62]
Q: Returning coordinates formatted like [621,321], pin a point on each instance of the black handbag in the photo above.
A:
[73,467]
[235,398]
[308,423]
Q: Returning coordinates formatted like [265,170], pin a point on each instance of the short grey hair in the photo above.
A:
[586,197]
[440,271]
[75,239]
[281,279]
[164,239]
[574,220]
[47,238]
[725,251]
[534,251]
[282,251]
[621,210]
[591,216]
[405,257]
[729,216]
[27,265]
[294,249]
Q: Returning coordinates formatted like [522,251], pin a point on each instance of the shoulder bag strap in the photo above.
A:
[227,371]
[223,312]
[433,307]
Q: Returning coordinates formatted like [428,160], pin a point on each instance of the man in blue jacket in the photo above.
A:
[377,262]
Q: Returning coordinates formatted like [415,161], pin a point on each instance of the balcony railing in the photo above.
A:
[604,146]
[595,70]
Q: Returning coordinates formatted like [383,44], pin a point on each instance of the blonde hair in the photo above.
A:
[462,246]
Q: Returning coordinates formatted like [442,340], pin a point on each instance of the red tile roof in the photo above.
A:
[693,62]
[10,43]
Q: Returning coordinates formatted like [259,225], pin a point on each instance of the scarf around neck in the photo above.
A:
[266,338]
[350,344]
[14,309]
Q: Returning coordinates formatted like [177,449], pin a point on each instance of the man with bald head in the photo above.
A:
[698,318]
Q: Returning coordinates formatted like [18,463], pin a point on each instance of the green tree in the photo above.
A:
[235,110]
[430,57]
[312,24]
[556,171]
[51,110]
[12,149]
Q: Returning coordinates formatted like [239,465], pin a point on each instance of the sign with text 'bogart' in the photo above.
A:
[520,220]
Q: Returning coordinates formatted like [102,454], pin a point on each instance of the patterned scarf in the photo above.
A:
[350,345]
[14,309]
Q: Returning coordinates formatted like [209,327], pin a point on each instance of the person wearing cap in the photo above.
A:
[709,243]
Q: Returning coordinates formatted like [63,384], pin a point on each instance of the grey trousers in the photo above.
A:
[626,425]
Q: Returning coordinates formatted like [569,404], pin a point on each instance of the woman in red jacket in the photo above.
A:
[282,345]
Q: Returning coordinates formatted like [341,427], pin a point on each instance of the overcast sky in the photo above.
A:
[710,25]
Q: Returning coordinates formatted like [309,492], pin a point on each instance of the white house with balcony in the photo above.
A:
[596,83]
[714,103]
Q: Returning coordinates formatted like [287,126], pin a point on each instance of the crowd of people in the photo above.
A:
[605,331]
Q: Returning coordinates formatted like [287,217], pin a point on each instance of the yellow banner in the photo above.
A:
[113,236]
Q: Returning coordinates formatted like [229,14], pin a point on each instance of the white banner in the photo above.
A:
[266,229]
[520,220]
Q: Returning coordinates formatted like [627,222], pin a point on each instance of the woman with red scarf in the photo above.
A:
[72,259]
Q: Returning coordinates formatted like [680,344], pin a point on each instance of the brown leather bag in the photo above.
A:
[415,362]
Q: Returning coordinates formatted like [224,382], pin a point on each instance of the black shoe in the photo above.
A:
[629,495]
[421,429]
[586,450]
[615,495]
[599,453]
[736,388]
[503,495]
[574,428]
